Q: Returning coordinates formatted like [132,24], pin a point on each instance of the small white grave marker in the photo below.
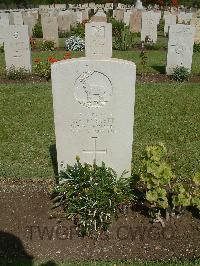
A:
[180,47]
[17,47]
[98,39]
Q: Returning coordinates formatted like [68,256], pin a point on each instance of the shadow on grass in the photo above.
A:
[48,263]
[53,154]
[12,250]
[13,253]
[160,69]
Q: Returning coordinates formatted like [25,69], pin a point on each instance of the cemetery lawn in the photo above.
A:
[155,63]
[168,113]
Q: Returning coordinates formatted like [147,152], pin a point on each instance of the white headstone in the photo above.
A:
[3,31]
[93,109]
[16,18]
[158,15]
[180,47]
[196,23]
[100,16]
[184,17]
[50,29]
[127,15]
[98,40]
[60,6]
[79,16]
[108,6]
[169,20]
[30,21]
[149,26]
[4,19]
[64,21]
[119,14]
[139,5]
[17,47]
[92,5]
[85,14]
[74,18]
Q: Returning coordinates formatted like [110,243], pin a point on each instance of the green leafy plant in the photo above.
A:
[181,198]
[154,182]
[37,31]
[17,73]
[63,34]
[79,30]
[196,48]
[117,27]
[143,56]
[188,194]
[161,26]
[42,68]
[124,41]
[159,190]
[195,198]
[91,196]
[47,46]
[180,74]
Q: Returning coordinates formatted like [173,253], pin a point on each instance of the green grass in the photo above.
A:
[163,112]
[169,113]
[26,131]
[155,64]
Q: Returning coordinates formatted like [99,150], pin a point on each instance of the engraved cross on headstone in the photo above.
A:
[95,151]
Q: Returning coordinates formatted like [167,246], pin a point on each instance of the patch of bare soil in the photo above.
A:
[28,79]
[141,78]
[162,78]
[29,230]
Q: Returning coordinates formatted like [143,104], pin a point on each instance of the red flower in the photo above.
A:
[174,3]
[37,60]
[52,60]
[67,56]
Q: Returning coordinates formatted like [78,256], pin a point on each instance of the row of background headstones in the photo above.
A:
[17,41]
[180,47]
[139,21]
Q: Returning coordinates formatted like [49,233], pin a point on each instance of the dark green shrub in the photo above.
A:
[110,13]
[47,46]
[196,48]
[117,27]
[143,57]
[155,46]
[124,41]
[180,74]
[91,196]
[42,68]
[37,31]
[79,30]
[17,74]
[63,34]
[161,26]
